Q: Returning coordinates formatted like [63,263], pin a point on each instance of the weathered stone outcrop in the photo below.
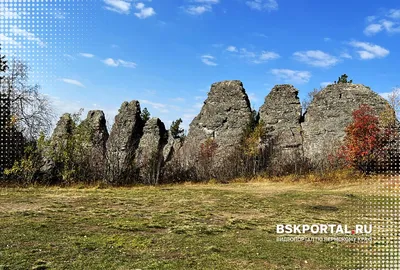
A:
[329,114]
[123,142]
[62,133]
[173,146]
[149,155]
[63,129]
[223,118]
[281,115]
[95,128]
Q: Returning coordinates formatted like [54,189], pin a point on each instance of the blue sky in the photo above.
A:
[167,53]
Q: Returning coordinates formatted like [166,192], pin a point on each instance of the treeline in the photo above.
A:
[77,152]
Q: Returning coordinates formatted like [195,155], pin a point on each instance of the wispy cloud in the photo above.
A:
[5,40]
[268,5]
[346,55]
[316,58]
[118,62]
[143,11]
[158,106]
[293,76]
[6,12]
[253,57]
[119,6]
[388,22]
[368,50]
[394,14]
[87,55]
[208,60]
[73,82]
[69,56]
[178,99]
[199,7]
[27,35]
[232,49]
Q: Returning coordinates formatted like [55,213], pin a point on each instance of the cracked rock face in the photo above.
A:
[123,142]
[281,114]
[149,155]
[330,113]
[95,125]
[223,117]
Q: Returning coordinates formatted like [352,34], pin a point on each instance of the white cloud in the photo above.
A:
[27,35]
[232,49]
[372,29]
[369,50]
[208,60]
[316,58]
[346,55]
[293,76]
[119,6]
[87,55]
[6,13]
[391,25]
[198,10]
[200,6]
[268,5]
[266,56]
[5,40]
[158,106]
[144,12]
[327,39]
[394,13]
[69,56]
[370,18]
[73,82]
[253,57]
[178,99]
[115,63]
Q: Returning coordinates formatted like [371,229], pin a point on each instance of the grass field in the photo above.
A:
[204,226]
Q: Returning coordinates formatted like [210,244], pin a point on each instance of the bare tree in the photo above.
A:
[310,96]
[31,112]
[394,100]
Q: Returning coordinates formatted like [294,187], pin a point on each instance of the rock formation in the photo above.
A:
[173,146]
[94,127]
[63,131]
[223,117]
[123,142]
[329,114]
[281,115]
[149,155]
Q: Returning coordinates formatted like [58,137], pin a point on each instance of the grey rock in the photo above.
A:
[123,143]
[63,131]
[173,146]
[64,128]
[149,155]
[223,118]
[281,115]
[330,112]
[96,130]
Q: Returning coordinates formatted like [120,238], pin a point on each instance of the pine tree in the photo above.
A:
[145,115]
[175,129]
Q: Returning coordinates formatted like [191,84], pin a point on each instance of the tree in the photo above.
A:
[343,79]
[3,64]
[30,111]
[394,100]
[175,129]
[362,140]
[310,96]
[145,115]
